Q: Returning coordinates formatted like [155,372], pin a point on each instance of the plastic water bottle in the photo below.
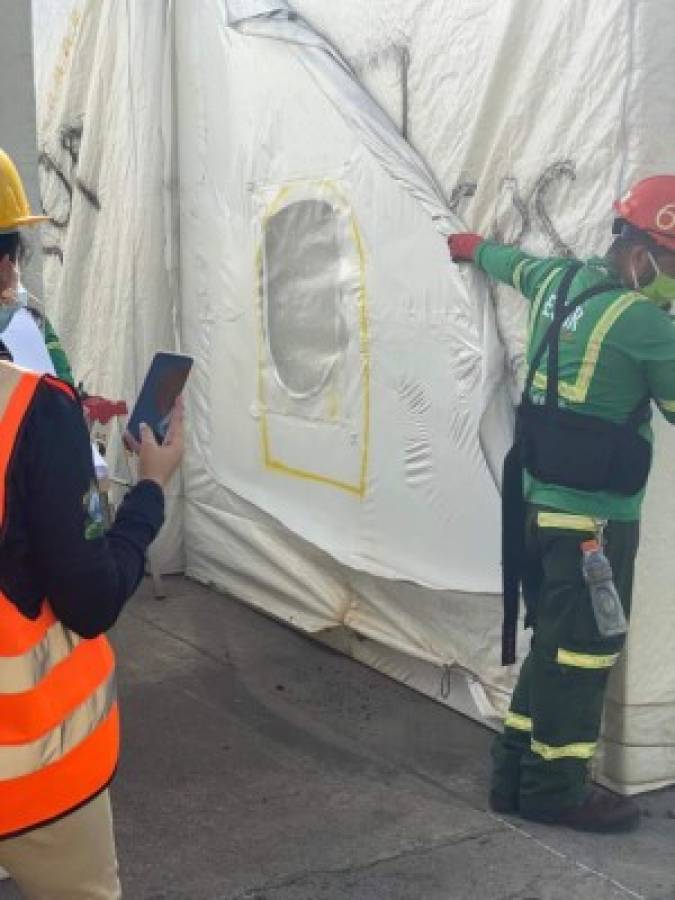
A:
[607,608]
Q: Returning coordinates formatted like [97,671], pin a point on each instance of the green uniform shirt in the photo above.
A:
[57,354]
[615,349]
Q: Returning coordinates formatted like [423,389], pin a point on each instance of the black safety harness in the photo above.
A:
[559,446]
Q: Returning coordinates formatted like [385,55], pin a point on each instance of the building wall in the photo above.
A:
[17,112]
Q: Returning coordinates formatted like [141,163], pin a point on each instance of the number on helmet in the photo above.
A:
[665,218]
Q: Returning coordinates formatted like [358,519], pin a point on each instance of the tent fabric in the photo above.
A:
[378,523]
[336,79]
[521,158]
[349,405]
[331,450]
[105,156]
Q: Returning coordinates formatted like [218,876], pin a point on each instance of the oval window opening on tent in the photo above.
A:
[301,277]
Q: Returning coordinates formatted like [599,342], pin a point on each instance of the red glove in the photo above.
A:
[98,409]
[463,246]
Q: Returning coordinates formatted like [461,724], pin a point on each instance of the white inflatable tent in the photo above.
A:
[239,183]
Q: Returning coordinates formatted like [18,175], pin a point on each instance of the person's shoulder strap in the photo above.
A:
[553,329]
[559,316]
[550,340]
[60,385]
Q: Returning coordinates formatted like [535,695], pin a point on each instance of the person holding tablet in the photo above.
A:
[63,583]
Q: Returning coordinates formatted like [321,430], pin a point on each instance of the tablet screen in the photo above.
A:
[164,382]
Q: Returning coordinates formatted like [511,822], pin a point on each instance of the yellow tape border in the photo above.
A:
[270,462]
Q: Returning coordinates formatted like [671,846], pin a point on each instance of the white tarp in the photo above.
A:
[361,395]
[26,344]
[533,117]
[354,420]
[347,412]
[105,140]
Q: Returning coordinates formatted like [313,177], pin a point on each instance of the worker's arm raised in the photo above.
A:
[527,274]
[509,265]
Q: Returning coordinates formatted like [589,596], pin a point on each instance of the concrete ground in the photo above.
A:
[258,765]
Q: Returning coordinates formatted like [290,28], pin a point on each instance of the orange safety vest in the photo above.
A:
[59,725]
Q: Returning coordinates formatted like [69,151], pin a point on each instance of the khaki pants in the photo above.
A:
[71,859]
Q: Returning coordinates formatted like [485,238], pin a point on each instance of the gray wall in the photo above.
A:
[17,112]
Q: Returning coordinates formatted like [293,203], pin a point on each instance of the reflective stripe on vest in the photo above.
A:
[59,729]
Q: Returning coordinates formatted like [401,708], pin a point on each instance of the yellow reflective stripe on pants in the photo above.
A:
[567,521]
[586,660]
[567,751]
[667,405]
[517,722]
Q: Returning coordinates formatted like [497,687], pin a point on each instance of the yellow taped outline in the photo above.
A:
[567,751]
[586,660]
[567,521]
[517,722]
[270,462]
[578,391]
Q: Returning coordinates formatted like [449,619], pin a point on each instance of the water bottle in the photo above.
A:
[607,608]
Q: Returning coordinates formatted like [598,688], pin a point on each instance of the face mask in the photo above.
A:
[661,288]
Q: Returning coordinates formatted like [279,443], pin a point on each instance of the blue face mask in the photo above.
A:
[661,288]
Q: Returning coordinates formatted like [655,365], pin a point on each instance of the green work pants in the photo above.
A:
[540,762]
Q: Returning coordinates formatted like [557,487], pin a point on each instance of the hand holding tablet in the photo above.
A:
[155,430]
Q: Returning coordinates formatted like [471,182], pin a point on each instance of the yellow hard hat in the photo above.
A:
[14,209]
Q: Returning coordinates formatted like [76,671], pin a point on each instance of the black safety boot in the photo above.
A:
[503,804]
[600,812]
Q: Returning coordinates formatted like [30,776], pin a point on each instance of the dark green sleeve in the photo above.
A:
[527,274]
[649,338]
[58,354]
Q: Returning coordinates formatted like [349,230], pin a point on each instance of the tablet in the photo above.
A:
[164,382]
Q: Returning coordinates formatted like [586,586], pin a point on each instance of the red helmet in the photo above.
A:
[650,206]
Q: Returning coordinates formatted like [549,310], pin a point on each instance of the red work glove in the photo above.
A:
[463,246]
[98,409]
